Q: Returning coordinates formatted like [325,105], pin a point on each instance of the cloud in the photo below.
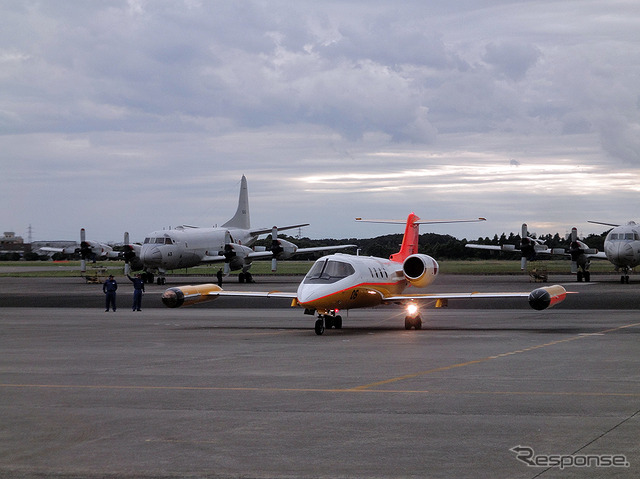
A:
[513,60]
[161,107]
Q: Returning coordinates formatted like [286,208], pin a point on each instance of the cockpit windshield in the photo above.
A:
[163,240]
[328,271]
[633,236]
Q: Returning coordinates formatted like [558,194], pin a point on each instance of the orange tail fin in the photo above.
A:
[409,241]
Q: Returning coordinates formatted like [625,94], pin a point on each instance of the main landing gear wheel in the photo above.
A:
[624,279]
[586,275]
[319,328]
[413,322]
[245,278]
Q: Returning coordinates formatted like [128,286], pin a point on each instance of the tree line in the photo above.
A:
[443,247]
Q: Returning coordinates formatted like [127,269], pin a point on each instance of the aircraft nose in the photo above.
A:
[151,256]
[306,293]
[626,252]
[620,254]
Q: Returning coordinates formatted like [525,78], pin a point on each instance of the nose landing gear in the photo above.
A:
[327,321]
[624,279]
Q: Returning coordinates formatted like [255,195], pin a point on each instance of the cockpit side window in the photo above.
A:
[328,271]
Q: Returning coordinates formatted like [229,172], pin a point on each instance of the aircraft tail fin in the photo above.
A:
[412,233]
[241,218]
[409,240]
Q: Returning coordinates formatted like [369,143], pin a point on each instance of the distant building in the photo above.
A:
[10,243]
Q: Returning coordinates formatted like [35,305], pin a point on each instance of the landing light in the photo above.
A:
[412,309]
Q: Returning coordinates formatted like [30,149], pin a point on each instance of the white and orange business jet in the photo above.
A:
[342,282]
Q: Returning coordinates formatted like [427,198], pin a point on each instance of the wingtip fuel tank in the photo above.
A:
[546,297]
[188,295]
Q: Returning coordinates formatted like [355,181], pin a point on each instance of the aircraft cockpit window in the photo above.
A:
[613,236]
[168,241]
[147,240]
[628,236]
[329,271]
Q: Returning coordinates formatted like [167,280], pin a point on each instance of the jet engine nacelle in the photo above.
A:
[543,298]
[420,270]
[188,295]
[284,249]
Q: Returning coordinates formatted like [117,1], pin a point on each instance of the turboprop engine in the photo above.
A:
[235,255]
[420,270]
[283,249]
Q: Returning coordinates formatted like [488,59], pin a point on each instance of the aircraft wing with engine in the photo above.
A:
[539,299]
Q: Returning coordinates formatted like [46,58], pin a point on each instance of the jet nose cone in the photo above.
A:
[151,256]
[306,293]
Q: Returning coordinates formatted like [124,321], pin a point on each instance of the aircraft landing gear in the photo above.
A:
[413,318]
[245,277]
[584,275]
[413,322]
[624,279]
[327,321]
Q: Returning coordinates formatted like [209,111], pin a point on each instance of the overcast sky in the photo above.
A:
[138,115]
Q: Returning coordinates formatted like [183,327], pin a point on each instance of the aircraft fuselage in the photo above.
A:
[342,281]
[188,247]
[622,246]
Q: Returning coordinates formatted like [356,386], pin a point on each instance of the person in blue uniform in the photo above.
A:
[109,289]
[138,289]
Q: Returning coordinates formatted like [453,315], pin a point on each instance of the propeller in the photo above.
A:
[128,254]
[527,247]
[276,248]
[85,250]
[574,250]
[228,253]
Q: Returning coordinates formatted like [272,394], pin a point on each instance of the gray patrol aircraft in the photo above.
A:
[188,246]
[622,247]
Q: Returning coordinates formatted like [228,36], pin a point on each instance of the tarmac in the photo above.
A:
[245,389]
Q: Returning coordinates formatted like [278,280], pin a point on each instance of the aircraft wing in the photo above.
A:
[539,299]
[435,296]
[254,294]
[264,231]
[268,254]
[505,247]
[212,259]
[50,249]
[512,249]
